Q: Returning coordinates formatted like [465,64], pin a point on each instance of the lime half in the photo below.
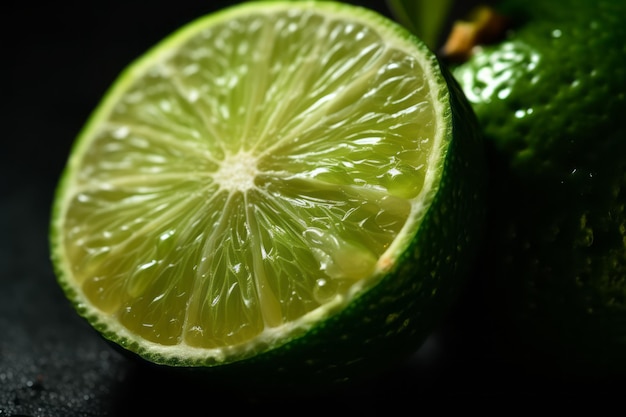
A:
[294,185]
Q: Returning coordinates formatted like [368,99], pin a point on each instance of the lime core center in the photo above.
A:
[237,172]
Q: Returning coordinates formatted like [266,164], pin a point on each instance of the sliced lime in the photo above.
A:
[278,180]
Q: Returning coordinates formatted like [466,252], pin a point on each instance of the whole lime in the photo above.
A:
[279,191]
[551,97]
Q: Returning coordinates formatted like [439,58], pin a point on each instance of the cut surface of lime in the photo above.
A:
[258,172]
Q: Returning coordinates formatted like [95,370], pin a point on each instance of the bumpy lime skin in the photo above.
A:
[551,99]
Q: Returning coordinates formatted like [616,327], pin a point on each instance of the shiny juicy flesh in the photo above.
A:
[249,177]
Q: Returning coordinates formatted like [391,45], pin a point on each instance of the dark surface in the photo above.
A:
[57,62]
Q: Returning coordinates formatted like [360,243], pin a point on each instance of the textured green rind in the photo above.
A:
[555,262]
[558,75]
[391,321]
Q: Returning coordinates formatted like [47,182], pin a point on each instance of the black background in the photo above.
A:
[58,58]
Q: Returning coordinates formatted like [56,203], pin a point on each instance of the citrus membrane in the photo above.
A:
[256,174]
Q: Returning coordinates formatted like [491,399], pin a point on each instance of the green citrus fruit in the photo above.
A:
[278,190]
[551,97]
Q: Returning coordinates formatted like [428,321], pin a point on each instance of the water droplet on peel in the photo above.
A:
[504,93]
